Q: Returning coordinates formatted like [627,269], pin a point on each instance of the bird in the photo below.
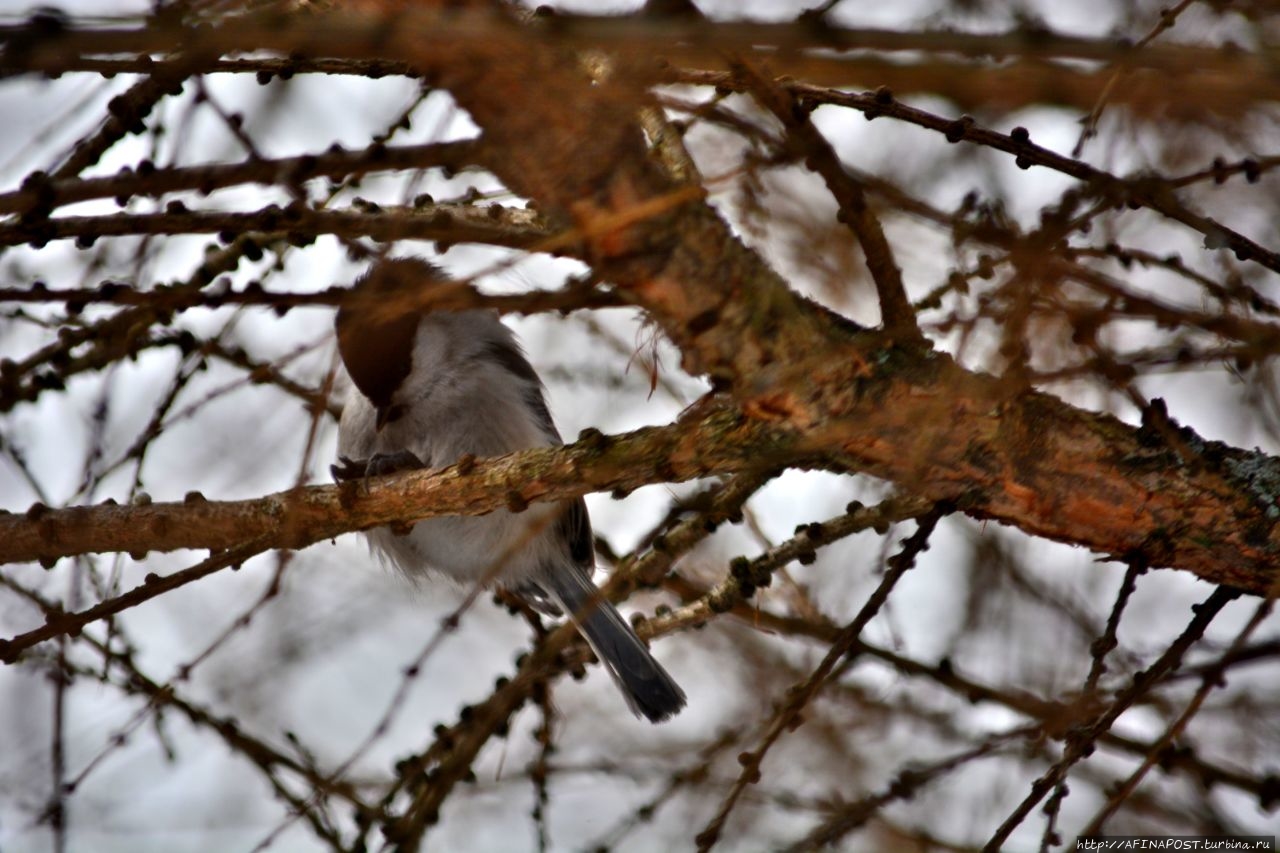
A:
[433,387]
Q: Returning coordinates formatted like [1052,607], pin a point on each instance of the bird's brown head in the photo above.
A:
[378,323]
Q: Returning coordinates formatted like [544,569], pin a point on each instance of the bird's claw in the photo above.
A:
[391,463]
[349,469]
[378,465]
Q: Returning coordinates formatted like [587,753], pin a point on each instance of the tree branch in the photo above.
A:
[47,193]
[495,224]
[805,141]
[717,442]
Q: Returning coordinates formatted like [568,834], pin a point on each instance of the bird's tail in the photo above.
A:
[647,687]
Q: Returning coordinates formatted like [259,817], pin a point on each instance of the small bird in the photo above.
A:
[433,387]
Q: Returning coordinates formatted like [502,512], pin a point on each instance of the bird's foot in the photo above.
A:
[381,464]
[348,469]
[377,465]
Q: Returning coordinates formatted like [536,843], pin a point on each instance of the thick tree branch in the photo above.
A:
[1011,85]
[38,47]
[943,433]
[712,443]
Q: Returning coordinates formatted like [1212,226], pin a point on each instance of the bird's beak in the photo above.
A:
[384,413]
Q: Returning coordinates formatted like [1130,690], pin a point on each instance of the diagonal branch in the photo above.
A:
[806,142]
[1081,738]
[799,696]
[60,624]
